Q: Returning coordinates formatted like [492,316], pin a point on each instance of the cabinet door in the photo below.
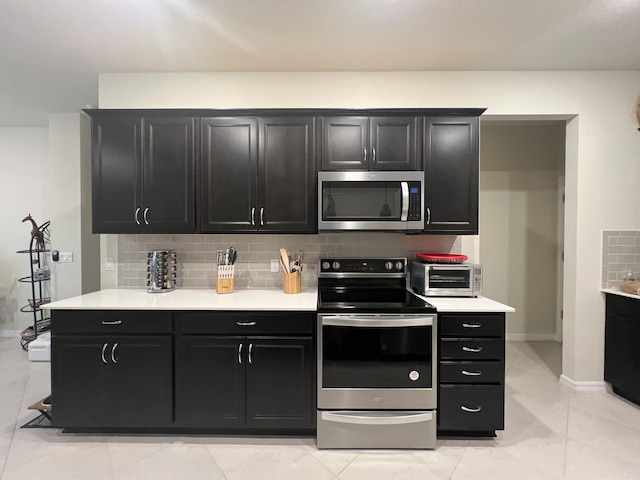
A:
[287,173]
[80,381]
[280,383]
[228,200]
[394,143]
[168,203]
[210,381]
[345,143]
[451,163]
[116,174]
[141,385]
[621,352]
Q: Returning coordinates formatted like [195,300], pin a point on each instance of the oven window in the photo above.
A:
[362,357]
[450,278]
[352,201]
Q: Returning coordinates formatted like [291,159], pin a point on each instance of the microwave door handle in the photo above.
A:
[405,201]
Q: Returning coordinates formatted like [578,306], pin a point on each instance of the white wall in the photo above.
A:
[24,172]
[603,171]
[519,169]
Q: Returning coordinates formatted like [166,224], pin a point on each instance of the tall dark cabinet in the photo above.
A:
[142,173]
[258,174]
[371,143]
[451,167]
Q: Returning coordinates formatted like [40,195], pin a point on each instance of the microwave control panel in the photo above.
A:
[415,201]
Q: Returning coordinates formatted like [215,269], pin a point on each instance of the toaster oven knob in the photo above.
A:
[388,265]
[325,265]
[336,265]
[399,265]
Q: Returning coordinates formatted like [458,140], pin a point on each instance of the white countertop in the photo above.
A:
[467,304]
[189,299]
[615,291]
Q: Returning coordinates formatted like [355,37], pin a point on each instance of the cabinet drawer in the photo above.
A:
[474,325]
[471,349]
[109,321]
[471,407]
[472,372]
[239,323]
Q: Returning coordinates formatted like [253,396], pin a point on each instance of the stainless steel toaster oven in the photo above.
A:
[446,280]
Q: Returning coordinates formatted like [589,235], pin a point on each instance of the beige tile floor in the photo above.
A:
[551,433]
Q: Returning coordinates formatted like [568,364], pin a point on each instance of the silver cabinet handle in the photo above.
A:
[113,353]
[365,155]
[471,325]
[240,354]
[144,215]
[253,216]
[135,216]
[245,324]
[476,373]
[104,347]
[470,409]
[471,349]
[383,418]
[114,322]
[373,155]
[428,215]
[261,215]
[250,348]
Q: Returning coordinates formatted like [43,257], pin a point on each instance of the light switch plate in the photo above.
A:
[108,263]
[65,257]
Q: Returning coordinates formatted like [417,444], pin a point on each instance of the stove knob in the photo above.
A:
[388,265]
[399,265]
[336,265]
[325,265]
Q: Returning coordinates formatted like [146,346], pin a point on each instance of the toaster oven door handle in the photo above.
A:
[405,201]
[386,419]
[373,321]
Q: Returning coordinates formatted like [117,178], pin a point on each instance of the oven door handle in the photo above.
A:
[390,419]
[373,321]
[405,201]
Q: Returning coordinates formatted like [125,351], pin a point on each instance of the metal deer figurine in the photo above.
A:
[36,233]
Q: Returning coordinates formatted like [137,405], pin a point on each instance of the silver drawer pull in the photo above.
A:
[470,409]
[115,322]
[104,347]
[471,349]
[245,324]
[471,325]
[477,373]
[382,418]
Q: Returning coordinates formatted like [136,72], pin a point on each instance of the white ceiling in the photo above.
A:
[51,51]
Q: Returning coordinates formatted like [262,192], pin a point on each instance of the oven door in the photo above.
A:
[450,280]
[377,361]
[370,201]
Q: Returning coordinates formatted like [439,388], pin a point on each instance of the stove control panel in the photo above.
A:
[363,266]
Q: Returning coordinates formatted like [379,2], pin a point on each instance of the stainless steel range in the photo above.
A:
[376,357]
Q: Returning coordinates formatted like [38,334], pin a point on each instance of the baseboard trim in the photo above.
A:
[584,387]
[531,337]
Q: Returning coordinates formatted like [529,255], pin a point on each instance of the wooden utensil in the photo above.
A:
[284,258]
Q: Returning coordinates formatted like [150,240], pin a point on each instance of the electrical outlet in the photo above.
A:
[108,264]
[65,257]
[275,266]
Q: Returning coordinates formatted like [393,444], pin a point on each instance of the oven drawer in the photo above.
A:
[471,349]
[475,325]
[472,372]
[471,407]
[376,429]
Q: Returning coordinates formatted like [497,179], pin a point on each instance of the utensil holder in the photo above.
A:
[292,282]
[224,283]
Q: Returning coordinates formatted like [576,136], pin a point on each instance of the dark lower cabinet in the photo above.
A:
[112,381]
[471,373]
[622,346]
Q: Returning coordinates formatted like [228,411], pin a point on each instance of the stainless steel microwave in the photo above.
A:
[371,201]
[446,280]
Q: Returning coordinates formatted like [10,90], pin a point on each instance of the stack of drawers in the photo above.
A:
[471,373]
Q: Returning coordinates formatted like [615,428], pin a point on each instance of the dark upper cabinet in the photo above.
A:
[371,143]
[143,174]
[451,168]
[259,175]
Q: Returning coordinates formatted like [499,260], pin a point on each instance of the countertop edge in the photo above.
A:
[614,291]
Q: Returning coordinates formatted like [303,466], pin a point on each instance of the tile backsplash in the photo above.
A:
[196,254]
[620,252]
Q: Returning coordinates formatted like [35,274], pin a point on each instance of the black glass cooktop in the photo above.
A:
[371,300]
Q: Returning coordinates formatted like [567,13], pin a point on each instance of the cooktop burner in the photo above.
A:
[348,285]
